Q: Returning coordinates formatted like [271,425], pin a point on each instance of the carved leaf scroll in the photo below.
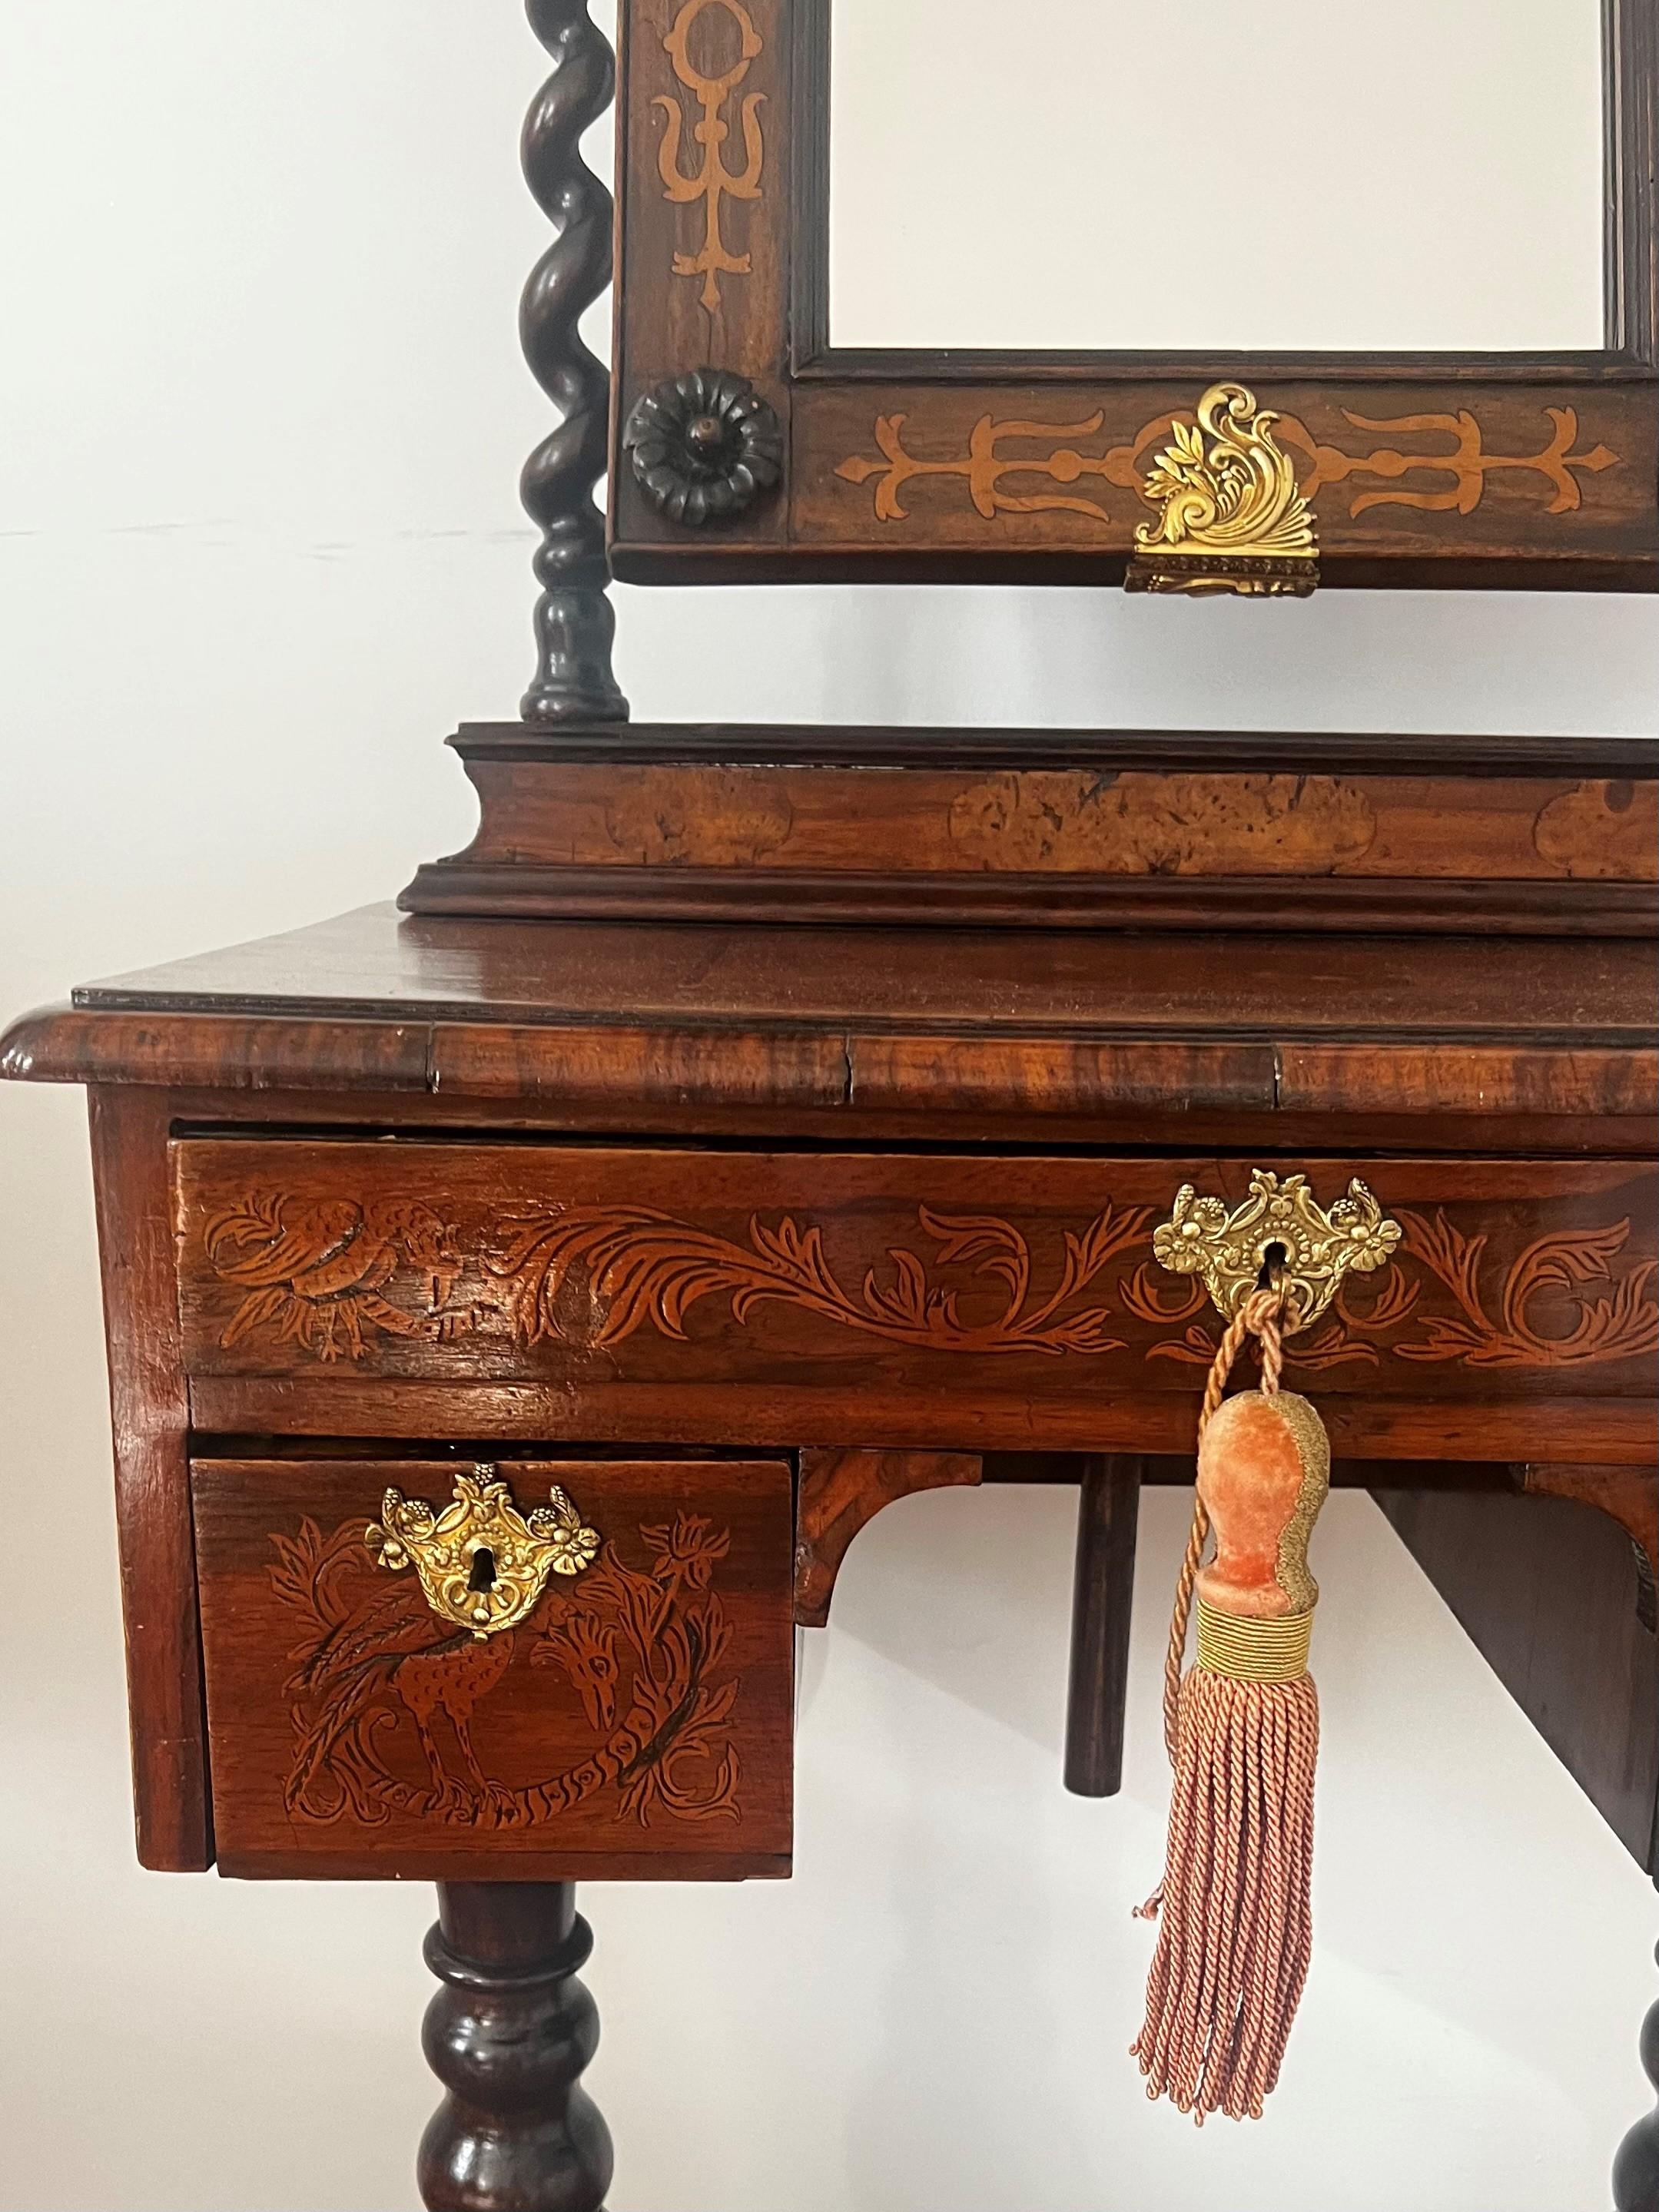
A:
[641,1265]
[332,1275]
[1623,1325]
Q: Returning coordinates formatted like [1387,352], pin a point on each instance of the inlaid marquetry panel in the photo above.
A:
[642,1711]
[602,1272]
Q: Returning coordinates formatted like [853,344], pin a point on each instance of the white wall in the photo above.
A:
[261,416]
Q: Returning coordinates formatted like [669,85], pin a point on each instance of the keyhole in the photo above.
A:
[482,1577]
[1272,1266]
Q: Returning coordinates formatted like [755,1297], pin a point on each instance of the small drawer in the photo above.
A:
[551,1669]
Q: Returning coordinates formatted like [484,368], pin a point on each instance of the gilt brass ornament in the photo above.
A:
[483,1564]
[1281,1222]
[1233,519]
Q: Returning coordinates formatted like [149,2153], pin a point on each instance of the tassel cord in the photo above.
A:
[1242,1734]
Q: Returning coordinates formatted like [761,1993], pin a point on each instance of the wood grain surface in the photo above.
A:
[149,1416]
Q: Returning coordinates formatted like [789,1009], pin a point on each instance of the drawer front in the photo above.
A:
[874,1297]
[637,1721]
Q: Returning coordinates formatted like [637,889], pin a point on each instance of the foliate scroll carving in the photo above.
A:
[335,1277]
[647,1266]
[1232,518]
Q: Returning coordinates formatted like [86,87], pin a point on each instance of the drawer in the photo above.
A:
[563,1669]
[650,1295]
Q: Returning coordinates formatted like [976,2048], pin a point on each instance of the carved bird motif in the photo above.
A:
[314,1268]
[387,1657]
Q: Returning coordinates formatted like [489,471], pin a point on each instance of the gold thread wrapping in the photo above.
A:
[1314,1447]
[1245,1650]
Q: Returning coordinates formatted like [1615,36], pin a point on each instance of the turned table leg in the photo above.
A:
[1108,1510]
[1636,2169]
[508,2036]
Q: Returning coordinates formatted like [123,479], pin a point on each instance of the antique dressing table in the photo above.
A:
[518,1304]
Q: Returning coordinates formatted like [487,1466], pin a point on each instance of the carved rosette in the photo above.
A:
[705,447]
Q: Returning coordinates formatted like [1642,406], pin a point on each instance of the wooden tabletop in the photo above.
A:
[914,1020]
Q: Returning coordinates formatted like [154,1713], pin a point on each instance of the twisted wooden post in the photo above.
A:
[575,622]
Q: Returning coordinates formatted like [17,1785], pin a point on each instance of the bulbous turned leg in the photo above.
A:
[508,2036]
[1636,2169]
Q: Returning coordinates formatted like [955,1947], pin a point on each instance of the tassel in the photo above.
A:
[1235,1933]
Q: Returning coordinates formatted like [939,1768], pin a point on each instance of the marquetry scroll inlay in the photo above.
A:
[647,1655]
[329,1278]
[712,181]
[1504,1325]
[1538,1311]
[642,1267]
[1034,482]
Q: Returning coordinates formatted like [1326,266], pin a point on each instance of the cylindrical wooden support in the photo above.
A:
[508,2036]
[1636,2169]
[1108,1510]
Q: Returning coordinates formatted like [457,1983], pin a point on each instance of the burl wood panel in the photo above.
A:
[984,1302]
[638,1723]
[1057,822]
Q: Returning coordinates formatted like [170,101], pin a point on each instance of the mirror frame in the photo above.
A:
[1465,471]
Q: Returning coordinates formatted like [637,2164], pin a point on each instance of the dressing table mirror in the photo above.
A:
[520,1300]
[1421,238]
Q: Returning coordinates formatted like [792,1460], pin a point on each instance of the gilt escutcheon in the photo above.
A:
[483,1564]
[1233,519]
[1281,1228]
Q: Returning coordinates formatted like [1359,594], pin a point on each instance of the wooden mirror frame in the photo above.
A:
[1496,470]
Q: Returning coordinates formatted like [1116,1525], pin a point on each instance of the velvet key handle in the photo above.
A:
[1235,1933]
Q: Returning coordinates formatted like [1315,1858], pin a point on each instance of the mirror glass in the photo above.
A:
[1264,175]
